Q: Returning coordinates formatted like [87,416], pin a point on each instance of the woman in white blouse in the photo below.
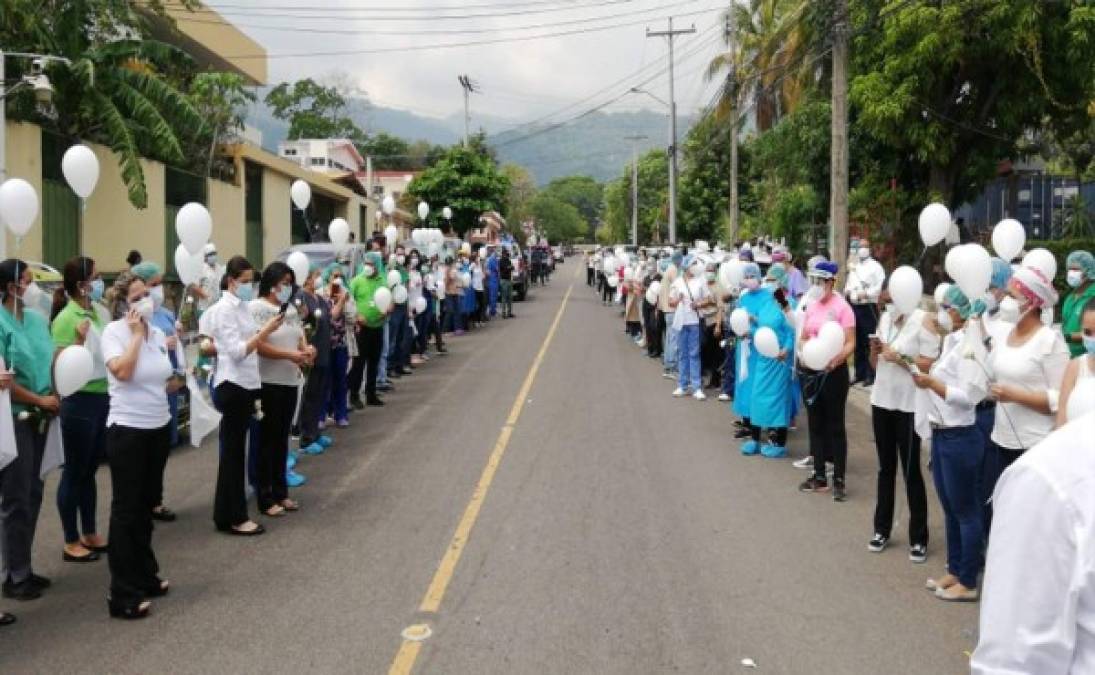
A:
[139,377]
[1027,365]
[1078,389]
[236,386]
[946,410]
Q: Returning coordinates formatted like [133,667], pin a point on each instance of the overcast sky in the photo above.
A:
[522,80]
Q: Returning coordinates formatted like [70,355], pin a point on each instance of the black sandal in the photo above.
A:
[6,619]
[129,612]
[162,587]
[164,514]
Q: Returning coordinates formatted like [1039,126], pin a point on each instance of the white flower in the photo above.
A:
[319,313]
[190,299]
[24,416]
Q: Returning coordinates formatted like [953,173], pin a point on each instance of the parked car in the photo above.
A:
[557,253]
[520,269]
[322,255]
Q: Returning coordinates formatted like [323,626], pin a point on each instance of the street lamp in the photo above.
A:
[672,162]
[37,80]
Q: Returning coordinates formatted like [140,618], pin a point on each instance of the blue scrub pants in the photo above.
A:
[669,355]
[956,465]
[688,359]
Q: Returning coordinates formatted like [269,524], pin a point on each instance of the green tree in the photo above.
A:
[519,196]
[583,193]
[704,193]
[467,181]
[556,219]
[312,110]
[222,100]
[119,92]
[653,200]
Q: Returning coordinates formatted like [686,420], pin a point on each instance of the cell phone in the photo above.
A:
[283,309]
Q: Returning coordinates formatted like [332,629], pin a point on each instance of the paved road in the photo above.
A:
[621,533]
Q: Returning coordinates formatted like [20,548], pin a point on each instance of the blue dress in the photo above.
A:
[771,394]
[751,302]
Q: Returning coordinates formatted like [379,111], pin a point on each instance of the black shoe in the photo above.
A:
[405,371]
[839,495]
[814,484]
[23,591]
[164,515]
[385,386]
[40,581]
[91,556]
[743,433]
[375,402]
[130,611]
[441,349]
[918,553]
[6,619]
[394,374]
[356,404]
[259,529]
[158,589]
[878,543]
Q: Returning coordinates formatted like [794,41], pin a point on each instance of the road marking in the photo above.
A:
[405,658]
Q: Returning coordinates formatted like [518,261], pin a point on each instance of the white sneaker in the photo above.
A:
[678,392]
[724,397]
[699,395]
[804,463]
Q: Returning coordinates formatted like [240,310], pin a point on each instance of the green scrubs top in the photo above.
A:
[28,350]
[64,335]
[1072,315]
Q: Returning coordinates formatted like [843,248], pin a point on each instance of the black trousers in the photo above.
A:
[828,437]
[711,356]
[589,276]
[370,342]
[776,435]
[279,402]
[896,441]
[353,378]
[136,458]
[866,323]
[237,406]
[311,406]
[21,501]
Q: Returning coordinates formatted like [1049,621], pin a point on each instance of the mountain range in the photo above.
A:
[593,145]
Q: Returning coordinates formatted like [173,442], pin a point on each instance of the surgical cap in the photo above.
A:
[750,270]
[958,300]
[373,258]
[824,269]
[677,258]
[1083,261]
[1034,286]
[778,274]
[147,270]
[1001,273]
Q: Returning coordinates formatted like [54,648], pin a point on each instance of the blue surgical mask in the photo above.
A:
[95,291]
[1089,344]
[245,292]
[283,294]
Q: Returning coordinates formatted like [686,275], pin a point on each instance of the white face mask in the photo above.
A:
[943,318]
[157,296]
[145,307]
[1010,310]
[697,271]
[815,292]
[1074,278]
[864,253]
[990,301]
[891,310]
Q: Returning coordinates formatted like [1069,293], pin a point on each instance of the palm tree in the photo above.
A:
[118,88]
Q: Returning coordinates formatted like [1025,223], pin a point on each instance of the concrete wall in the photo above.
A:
[276,225]
[112,225]
[24,160]
[226,205]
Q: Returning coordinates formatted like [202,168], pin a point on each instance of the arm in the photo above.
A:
[1029,597]
[1044,401]
[231,343]
[1066,391]
[846,351]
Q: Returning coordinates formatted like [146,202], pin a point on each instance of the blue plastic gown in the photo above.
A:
[752,302]
[772,393]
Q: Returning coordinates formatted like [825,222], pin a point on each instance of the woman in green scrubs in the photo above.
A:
[1079,274]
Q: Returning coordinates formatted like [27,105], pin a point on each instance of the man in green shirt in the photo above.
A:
[369,329]
[1079,274]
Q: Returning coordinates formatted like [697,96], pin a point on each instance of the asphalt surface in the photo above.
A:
[622,532]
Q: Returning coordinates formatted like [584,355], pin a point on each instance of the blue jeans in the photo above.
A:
[669,354]
[956,467]
[337,392]
[385,345]
[83,432]
[397,329]
[688,359]
[729,366]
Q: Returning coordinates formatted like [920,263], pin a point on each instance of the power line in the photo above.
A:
[218,6]
[252,12]
[451,45]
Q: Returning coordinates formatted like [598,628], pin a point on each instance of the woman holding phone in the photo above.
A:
[140,376]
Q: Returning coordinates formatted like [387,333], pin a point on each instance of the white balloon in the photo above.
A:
[767,342]
[1008,238]
[814,355]
[906,287]
[447,212]
[609,265]
[613,280]
[651,295]
[941,292]
[382,299]
[193,225]
[433,249]
[338,232]
[301,194]
[298,262]
[80,167]
[188,265]
[419,305]
[388,205]
[952,264]
[394,278]
[975,274]
[935,221]
[1041,259]
[465,279]
[423,210]
[629,274]
[399,294]
[831,336]
[739,321]
[72,370]
[18,205]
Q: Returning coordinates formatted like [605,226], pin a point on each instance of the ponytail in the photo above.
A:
[76,271]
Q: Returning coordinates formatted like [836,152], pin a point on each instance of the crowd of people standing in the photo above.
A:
[982,380]
[282,358]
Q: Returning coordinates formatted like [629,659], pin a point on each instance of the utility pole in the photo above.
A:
[732,91]
[469,89]
[635,186]
[838,201]
[670,34]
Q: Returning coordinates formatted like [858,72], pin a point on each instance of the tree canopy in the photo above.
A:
[464,179]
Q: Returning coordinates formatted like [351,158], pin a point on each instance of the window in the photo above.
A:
[330,164]
[289,152]
[318,161]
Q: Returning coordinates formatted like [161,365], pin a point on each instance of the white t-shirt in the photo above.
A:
[477,277]
[1037,365]
[287,336]
[894,388]
[141,401]
[687,296]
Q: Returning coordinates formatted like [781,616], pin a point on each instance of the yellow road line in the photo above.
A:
[405,658]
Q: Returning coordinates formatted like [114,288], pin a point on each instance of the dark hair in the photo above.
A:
[236,266]
[76,271]
[134,258]
[272,276]
[10,271]
[118,296]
